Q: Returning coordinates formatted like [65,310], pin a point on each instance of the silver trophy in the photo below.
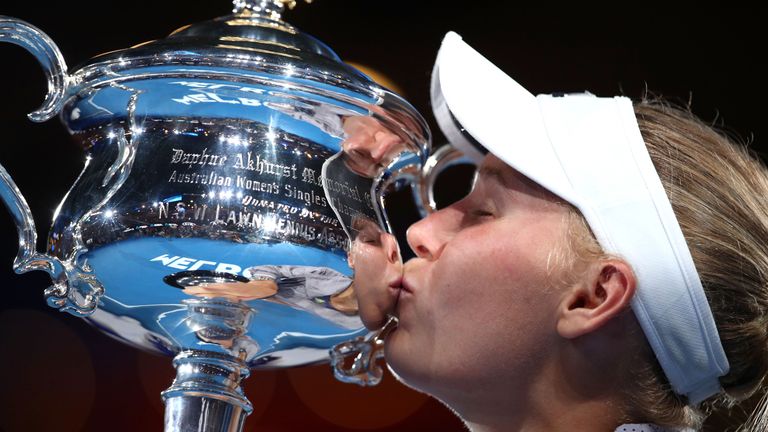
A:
[229,169]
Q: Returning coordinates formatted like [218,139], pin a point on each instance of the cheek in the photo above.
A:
[370,262]
[484,299]
[501,307]
[490,276]
[461,342]
[372,279]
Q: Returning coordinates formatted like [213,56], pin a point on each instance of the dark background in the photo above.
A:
[58,373]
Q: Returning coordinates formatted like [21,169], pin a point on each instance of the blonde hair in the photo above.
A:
[719,192]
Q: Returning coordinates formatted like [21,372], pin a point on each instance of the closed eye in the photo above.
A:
[482,213]
[368,239]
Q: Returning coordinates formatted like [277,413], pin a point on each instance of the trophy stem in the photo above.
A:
[206,394]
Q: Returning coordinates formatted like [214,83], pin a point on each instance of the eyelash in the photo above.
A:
[482,213]
[480,206]
[369,240]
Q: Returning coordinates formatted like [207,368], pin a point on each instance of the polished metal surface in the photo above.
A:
[233,144]
[443,158]
[229,169]
[354,361]
[48,54]
[203,414]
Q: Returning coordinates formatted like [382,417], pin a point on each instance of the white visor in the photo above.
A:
[589,151]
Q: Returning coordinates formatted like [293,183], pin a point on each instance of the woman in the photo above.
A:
[608,271]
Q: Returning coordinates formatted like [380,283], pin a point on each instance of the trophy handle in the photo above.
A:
[32,39]
[421,181]
[58,295]
[29,37]
[355,361]
[82,300]
[443,158]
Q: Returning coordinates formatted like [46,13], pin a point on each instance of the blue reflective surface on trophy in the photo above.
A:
[228,170]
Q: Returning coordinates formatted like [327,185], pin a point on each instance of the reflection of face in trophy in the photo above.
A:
[368,146]
[375,257]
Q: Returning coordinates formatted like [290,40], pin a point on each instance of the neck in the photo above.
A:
[580,389]
[559,415]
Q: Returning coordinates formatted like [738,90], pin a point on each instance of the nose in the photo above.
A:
[428,237]
[384,143]
[391,248]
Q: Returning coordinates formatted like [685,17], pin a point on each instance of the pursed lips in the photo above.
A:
[411,267]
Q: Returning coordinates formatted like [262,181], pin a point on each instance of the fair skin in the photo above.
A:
[369,146]
[235,291]
[485,327]
[375,258]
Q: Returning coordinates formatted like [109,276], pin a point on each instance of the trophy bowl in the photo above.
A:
[229,169]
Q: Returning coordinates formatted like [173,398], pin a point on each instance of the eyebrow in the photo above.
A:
[489,172]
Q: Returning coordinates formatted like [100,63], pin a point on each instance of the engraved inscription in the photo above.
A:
[237,184]
[264,188]
[179,156]
[262,166]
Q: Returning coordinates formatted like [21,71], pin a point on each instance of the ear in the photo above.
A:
[604,291]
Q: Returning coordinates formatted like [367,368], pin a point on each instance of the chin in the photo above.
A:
[408,367]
